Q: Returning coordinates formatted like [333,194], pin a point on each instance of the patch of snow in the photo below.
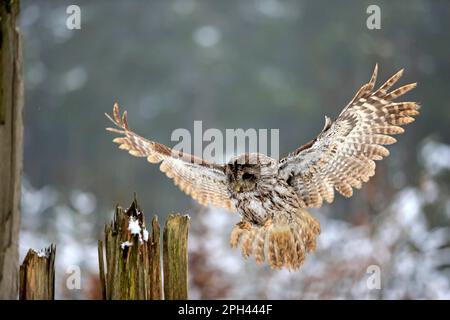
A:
[134,226]
[145,234]
[126,244]
[41,253]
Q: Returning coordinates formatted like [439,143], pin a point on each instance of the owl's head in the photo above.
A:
[245,171]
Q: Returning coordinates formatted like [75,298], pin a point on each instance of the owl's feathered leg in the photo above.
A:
[282,241]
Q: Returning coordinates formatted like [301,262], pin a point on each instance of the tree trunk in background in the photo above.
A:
[11,134]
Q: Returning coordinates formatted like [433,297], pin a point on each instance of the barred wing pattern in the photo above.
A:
[342,156]
[203,181]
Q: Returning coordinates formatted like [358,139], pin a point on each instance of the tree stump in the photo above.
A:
[37,275]
[133,257]
[175,257]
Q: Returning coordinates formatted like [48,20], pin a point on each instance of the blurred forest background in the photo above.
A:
[236,64]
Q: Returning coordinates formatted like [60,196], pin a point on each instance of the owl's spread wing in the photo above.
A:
[342,156]
[203,181]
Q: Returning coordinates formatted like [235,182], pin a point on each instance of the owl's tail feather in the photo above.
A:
[282,242]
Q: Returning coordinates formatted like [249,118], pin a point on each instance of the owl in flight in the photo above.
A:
[272,196]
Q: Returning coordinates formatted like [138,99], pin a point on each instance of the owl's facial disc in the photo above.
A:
[243,178]
[245,183]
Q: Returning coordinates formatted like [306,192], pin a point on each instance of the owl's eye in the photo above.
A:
[247,176]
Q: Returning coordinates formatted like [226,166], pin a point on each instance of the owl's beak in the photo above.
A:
[237,187]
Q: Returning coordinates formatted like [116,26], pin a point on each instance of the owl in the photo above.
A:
[272,195]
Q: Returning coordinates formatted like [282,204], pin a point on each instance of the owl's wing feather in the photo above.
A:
[342,156]
[202,180]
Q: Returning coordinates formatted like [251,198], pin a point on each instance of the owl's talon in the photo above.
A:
[268,223]
[245,225]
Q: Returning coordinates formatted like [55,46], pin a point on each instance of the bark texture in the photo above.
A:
[37,275]
[11,145]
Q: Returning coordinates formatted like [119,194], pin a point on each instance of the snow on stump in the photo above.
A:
[37,275]
[133,257]
[128,257]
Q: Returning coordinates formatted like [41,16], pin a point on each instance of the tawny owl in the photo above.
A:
[272,195]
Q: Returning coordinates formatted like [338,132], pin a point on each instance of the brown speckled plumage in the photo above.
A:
[272,196]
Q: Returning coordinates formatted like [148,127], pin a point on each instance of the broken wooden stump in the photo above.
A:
[155,261]
[175,257]
[37,275]
[133,257]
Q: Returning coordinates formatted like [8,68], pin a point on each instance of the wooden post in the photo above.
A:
[132,257]
[154,247]
[175,257]
[37,275]
[101,266]
[11,136]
